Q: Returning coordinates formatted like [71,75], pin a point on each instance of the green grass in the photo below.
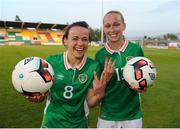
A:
[160,104]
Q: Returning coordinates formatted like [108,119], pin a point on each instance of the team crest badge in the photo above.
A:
[82,78]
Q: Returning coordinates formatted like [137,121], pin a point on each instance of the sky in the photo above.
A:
[142,17]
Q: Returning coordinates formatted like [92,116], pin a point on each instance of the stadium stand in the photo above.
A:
[28,33]
[2,36]
[30,37]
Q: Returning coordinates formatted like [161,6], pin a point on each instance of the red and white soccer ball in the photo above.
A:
[140,73]
[32,75]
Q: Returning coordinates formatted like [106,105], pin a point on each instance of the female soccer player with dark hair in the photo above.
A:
[75,80]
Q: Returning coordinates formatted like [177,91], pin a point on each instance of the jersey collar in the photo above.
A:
[68,66]
[122,49]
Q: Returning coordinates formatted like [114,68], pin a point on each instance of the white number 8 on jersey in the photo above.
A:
[68,92]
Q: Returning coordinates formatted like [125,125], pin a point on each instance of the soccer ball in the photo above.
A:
[140,73]
[32,75]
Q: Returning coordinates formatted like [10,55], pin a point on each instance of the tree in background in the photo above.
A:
[170,36]
[96,35]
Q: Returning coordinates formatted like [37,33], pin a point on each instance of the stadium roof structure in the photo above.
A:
[36,25]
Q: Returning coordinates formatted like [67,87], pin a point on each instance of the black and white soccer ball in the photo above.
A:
[140,73]
[32,75]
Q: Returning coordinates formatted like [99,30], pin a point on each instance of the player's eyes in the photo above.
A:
[107,26]
[85,40]
[74,39]
[116,24]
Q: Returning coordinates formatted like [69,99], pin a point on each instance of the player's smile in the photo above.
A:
[78,52]
[113,35]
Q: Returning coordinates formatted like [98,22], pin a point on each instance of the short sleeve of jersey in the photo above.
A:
[52,59]
[97,58]
[48,59]
[97,70]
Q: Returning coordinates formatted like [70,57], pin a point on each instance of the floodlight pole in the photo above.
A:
[102,34]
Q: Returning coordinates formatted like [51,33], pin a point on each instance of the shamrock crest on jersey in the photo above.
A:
[82,78]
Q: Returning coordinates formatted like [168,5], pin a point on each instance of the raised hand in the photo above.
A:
[100,85]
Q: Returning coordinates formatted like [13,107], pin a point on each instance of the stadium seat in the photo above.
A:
[2,36]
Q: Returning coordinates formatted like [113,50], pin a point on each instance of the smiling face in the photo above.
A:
[77,42]
[113,25]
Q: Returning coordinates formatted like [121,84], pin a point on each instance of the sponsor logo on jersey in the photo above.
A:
[82,78]
[60,76]
[103,116]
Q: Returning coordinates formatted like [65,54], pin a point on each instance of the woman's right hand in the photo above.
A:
[36,97]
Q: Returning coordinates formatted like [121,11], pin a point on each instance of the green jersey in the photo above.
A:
[65,104]
[120,102]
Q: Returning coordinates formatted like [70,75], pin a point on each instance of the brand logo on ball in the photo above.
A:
[128,58]
[21,76]
[82,78]
[152,76]
[27,60]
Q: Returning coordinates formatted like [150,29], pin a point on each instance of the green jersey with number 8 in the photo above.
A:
[65,104]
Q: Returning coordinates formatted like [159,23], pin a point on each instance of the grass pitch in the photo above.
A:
[160,104]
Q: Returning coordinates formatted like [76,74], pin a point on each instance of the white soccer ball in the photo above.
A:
[32,75]
[140,73]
